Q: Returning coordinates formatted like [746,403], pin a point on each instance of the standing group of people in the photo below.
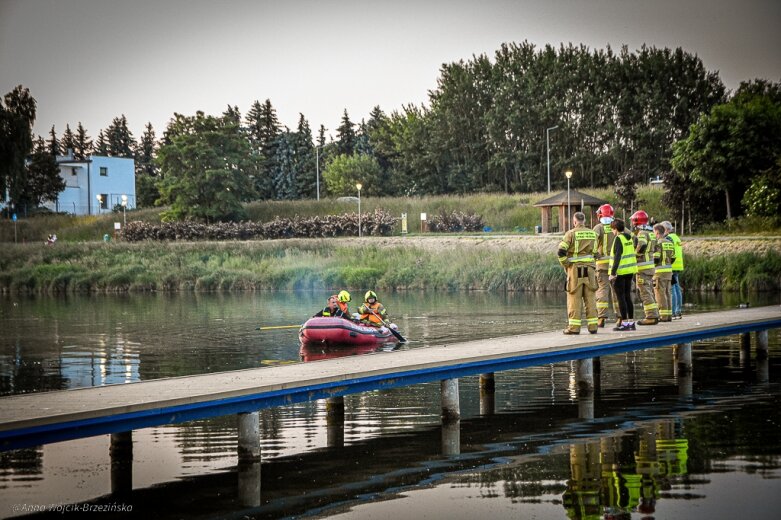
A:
[604,261]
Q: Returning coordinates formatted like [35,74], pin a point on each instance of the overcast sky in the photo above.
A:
[92,60]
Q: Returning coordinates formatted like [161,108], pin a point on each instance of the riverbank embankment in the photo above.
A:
[433,262]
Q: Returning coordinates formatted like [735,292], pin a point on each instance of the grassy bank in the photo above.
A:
[387,264]
[504,213]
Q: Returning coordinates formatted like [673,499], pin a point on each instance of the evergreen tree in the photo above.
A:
[120,141]
[263,128]
[146,168]
[68,142]
[54,143]
[305,158]
[284,181]
[83,145]
[101,146]
[345,136]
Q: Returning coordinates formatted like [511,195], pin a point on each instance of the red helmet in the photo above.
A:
[605,210]
[639,218]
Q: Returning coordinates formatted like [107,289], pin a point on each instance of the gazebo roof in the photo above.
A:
[574,196]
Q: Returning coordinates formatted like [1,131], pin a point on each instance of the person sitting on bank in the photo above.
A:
[372,312]
[332,309]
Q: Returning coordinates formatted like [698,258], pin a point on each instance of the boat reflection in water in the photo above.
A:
[315,352]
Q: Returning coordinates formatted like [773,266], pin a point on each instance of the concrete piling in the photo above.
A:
[249,437]
[121,454]
[585,376]
[451,408]
[487,394]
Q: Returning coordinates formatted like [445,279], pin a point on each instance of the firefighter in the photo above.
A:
[372,311]
[676,289]
[602,254]
[663,274]
[645,244]
[344,298]
[332,309]
[576,256]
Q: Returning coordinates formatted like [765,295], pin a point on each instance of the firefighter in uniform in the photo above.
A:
[676,290]
[576,255]
[604,246]
[645,245]
[663,275]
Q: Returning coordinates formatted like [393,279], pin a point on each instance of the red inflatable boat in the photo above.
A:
[339,331]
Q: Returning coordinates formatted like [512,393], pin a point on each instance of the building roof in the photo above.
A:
[575,197]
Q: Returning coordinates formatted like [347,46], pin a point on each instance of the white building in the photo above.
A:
[95,185]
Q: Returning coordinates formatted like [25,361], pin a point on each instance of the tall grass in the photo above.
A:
[324,264]
[502,212]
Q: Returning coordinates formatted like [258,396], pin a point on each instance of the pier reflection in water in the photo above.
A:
[646,437]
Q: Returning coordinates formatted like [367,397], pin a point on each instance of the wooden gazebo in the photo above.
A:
[577,201]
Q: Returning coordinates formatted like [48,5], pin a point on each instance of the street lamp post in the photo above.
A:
[317,167]
[568,173]
[547,148]
[359,186]
[100,203]
[124,211]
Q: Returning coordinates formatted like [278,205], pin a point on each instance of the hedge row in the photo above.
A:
[377,223]
[456,221]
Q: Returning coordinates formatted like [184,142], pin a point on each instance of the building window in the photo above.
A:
[104,200]
[73,172]
[104,171]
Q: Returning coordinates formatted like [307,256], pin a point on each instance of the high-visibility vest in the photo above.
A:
[678,262]
[627,264]
[666,250]
[645,261]
[605,247]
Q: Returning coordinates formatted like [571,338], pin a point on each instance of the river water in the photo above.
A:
[651,443]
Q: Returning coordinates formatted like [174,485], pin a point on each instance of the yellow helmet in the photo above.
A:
[344,296]
[369,294]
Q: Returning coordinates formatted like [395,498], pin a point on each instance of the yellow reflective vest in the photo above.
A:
[627,264]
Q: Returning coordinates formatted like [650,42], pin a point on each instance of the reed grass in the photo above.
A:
[307,264]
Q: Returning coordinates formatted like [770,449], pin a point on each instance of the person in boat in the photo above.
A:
[372,312]
[332,309]
[343,298]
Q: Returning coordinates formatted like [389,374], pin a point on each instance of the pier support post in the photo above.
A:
[762,343]
[487,394]
[585,376]
[451,408]
[683,358]
[451,437]
[334,418]
[745,341]
[586,407]
[121,453]
[249,437]
[249,484]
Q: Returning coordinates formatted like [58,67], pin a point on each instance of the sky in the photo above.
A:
[92,60]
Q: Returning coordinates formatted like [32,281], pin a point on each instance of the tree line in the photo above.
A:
[615,118]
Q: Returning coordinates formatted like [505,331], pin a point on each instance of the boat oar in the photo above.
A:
[387,325]
[279,327]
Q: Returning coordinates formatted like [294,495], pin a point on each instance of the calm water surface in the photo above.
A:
[650,444]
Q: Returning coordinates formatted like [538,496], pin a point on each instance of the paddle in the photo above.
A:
[387,325]
[279,327]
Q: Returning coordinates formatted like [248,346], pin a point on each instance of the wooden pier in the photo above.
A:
[34,419]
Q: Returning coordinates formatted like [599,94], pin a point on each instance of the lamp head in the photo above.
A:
[359,186]
[568,173]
